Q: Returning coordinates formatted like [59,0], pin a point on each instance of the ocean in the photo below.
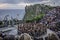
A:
[14,13]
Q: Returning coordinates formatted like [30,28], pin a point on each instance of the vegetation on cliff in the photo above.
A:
[35,12]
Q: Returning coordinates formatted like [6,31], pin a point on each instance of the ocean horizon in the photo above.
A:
[14,13]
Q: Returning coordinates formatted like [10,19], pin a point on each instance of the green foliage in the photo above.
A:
[36,18]
[31,14]
[39,16]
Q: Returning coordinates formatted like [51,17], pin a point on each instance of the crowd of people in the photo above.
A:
[25,36]
[37,29]
[51,37]
[7,37]
[33,29]
[52,18]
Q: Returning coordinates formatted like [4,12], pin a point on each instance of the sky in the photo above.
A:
[20,4]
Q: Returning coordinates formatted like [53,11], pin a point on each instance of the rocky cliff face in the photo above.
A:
[35,10]
[51,18]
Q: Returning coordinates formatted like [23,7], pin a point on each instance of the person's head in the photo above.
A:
[21,37]
[25,36]
[12,37]
[6,38]
[1,38]
[9,37]
[0,34]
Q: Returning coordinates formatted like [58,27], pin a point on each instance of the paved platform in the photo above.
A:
[9,30]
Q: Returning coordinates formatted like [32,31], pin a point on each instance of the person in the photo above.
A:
[21,37]
[9,37]
[1,38]
[0,34]
[25,36]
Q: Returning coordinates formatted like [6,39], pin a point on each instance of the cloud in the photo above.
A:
[20,4]
[11,1]
[13,6]
[19,1]
[43,2]
[53,3]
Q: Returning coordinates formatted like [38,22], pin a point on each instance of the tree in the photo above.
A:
[1,23]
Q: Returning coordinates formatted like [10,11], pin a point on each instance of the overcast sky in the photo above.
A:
[20,4]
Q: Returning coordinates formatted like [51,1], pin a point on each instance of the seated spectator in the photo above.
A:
[0,34]
[25,36]
[9,37]
[52,37]
[1,38]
